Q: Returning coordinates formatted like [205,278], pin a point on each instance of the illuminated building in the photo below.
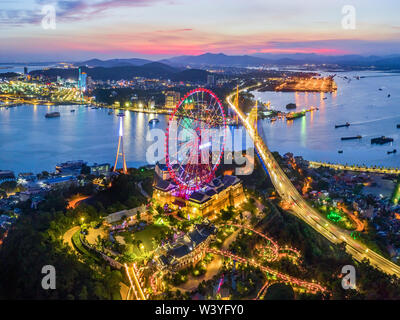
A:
[187,250]
[82,81]
[6,175]
[217,195]
[162,171]
[100,169]
[171,99]
[220,193]
[61,182]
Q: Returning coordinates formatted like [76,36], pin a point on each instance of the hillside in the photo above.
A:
[150,70]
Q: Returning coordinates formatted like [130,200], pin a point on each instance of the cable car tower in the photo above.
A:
[121,147]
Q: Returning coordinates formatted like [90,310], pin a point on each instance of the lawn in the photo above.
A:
[147,234]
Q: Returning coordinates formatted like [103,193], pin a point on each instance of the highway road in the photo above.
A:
[303,210]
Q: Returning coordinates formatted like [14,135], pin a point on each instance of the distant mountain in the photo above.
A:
[7,75]
[220,59]
[113,62]
[150,70]
[259,59]
[385,62]
[195,75]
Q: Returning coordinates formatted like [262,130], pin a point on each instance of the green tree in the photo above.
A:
[279,291]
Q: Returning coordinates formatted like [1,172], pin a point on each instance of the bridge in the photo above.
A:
[301,208]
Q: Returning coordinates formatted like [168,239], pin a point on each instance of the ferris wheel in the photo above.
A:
[195,139]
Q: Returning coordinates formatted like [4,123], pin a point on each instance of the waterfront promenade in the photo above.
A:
[372,169]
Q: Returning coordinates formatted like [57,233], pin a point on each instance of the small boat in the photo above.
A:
[393,151]
[295,115]
[155,120]
[351,138]
[342,125]
[380,89]
[325,98]
[52,115]
[121,114]
[73,110]
[389,95]
[398,126]
[110,112]
[340,151]
[381,140]
[273,119]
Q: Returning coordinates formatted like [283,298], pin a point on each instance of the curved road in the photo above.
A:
[303,210]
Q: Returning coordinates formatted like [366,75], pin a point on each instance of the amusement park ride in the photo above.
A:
[192,161]
[195,140]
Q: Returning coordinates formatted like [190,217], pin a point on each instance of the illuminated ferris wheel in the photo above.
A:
[195,139]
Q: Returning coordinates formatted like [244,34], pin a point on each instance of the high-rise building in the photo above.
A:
[89,82]
[25,70]
[83,81]
[210,80]
[171,99]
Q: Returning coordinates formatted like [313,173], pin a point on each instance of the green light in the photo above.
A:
[334,216]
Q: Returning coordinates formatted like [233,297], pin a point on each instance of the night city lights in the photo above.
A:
[200,158]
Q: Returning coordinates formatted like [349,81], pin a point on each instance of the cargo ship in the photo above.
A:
[351,138]
[381,140]
[52,115]
[342,125]
[295,115]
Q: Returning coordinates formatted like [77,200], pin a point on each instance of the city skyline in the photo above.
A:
[159,29]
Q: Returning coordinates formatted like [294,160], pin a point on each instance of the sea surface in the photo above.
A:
[31,143]
[19,68]
[370,112]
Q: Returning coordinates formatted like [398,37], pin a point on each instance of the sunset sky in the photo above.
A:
[162,28]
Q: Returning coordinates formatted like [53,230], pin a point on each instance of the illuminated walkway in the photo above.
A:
[311,287]
[274,247]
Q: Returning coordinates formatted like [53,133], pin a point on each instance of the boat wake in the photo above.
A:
[373,120]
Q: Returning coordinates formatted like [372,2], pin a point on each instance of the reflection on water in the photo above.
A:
[30,142]
[360,102]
